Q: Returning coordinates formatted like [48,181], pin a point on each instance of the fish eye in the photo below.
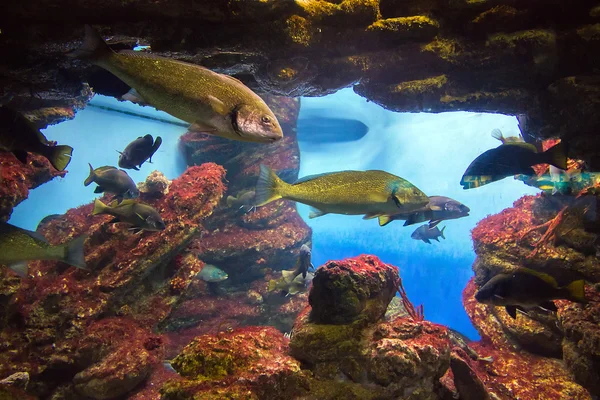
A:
[265,119]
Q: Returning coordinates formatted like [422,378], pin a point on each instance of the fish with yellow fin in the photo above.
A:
[525,289]
[213,103]
[372,193]
[512,157]
[297,279]
[141,216]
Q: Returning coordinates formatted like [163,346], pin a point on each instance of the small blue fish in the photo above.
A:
[210,273]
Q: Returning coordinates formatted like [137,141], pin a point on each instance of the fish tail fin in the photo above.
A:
[230,200]
[384,220]
[74,253]
[59,156]
[272,284]
[556,155]
[94,48]
[269,186]
[576,291]
[90,177]
[99,207]
[497,134]
[442,233]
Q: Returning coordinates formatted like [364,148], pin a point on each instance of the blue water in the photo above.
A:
[430,150]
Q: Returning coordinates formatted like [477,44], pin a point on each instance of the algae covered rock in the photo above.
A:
[352,289]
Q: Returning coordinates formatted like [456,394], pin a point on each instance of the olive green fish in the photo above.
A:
[372,193]
[19,136]
[526,289]
[213,103]
[289,284]
[141,216]
[112,180]
[17,246]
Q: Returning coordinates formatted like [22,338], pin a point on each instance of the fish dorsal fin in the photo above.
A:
[152,56]
[311,177]
[497,134]
[127,202]
[545,277]
[236,80]
[35,235]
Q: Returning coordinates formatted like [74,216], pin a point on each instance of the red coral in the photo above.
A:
[16,179]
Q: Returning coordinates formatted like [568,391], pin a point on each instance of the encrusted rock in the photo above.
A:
[352,289]
[156,184]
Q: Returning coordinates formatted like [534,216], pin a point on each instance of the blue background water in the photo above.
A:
[430,150]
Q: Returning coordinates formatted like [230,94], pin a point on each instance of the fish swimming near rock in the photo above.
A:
[141,216]
[426,234]
[112,180]
[213,103]
[17,246]
[210,273]
[509,159]
[460,340]
[525,289]
[295,280]
[372,193]
[438,209]
[290,286]
[245,198]
[18,135]
[139,151]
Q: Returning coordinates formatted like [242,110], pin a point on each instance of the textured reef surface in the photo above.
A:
[537,59]
[556,235]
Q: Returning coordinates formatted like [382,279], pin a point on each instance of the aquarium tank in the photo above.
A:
[300,199]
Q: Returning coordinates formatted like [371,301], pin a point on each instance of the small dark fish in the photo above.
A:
[425,233]
[297,279]
[17,246]
[460,340]
[303,265]
[137,152]
[141,216]
[112,180]
[439,209]
[509,159]
[525,289]
[245,198]
[19,136]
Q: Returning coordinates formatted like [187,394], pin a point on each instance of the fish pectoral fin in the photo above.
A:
[435,208]
[217,105]
[427,241]
[512,311]
[384,220]
[20,268]
[315,212]
[199,126]
[548,306]
[99,189]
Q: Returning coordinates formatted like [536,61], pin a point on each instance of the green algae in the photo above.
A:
[532,37]
[298,30]
[446,49]
[589,32]
[362,10]
[421,86]
[417,25]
